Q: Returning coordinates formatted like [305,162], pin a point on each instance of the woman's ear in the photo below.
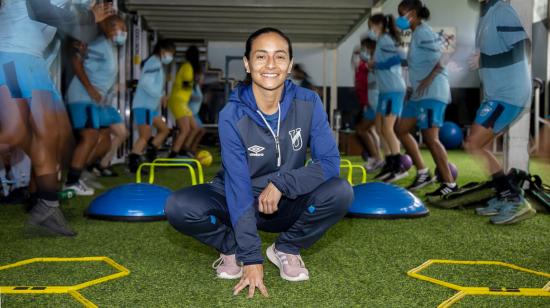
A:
[246,65]
[290,66]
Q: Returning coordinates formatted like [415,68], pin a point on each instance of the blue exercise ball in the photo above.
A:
[387,201]
[450,135]
[130,202]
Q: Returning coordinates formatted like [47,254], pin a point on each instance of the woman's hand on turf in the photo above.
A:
[268,200]
[253,277]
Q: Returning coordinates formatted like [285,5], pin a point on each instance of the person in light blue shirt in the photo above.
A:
[391,86]
[149,96]
[429,98]
[33,115]
[506,79]
[95,75]
[197,129]
[366,89]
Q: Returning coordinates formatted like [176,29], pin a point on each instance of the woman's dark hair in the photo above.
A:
[160,45]
[368,43]
[164,44]
[261,31]
[192,55]
[250,40]
[416,5]
[388,24]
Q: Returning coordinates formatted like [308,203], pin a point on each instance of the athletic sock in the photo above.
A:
[451,185]
[73,176]
[396,165]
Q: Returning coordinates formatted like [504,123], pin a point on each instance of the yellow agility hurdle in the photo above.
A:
[71,290]
[184,160]
[347,164]
[464,291]
[152,171]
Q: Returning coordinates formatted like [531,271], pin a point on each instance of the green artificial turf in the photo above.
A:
[360,262]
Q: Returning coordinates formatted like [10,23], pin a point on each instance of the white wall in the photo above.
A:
[462,14]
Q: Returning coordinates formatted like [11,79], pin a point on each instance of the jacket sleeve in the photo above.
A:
[151,79]
[79,25]
[386,65]
[325,156]
[238,191]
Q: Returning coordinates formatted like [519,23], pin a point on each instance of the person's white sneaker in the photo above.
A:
[291,267]
[80,188]
[226,267]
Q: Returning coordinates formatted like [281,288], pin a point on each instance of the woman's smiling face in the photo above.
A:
[269,61]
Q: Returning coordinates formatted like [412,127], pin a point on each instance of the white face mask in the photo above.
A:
[365,56]
[166,59]
[120,38]
[372,35]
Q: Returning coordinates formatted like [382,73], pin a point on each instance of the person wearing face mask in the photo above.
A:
[504,71]
[367,94]
[265,130]
[149,97]
[387,67]
[430,95]
[113,131]
[95,68]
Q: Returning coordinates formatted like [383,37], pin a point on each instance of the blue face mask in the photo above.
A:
[372,35]
[403,23]
[166,59]
[120,38]
[365,56]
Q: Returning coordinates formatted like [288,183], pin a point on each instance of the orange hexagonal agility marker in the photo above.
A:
[464,291]
[72,290]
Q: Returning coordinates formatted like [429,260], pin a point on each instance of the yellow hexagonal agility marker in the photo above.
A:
[464,291]
[72,290]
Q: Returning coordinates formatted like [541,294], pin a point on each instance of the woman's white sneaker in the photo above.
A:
[291,267]
[226,267]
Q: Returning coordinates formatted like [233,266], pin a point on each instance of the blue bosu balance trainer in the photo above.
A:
[385,201]
[130,202]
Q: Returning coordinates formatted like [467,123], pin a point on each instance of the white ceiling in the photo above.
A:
[319,21]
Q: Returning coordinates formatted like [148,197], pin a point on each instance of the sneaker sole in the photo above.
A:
[419,187]
[486,214]
[382,178]
[397,177]
[80,193]
[227,276]
[464,200]
[273,258]
[524,215]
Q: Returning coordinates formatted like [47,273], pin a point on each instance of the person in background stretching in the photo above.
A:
[387,67]
[430,95]
[147,101]
[504,71]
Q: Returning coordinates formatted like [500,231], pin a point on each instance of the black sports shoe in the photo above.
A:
[17,196]
[421,180]
[443,190]
[46,217]
[385,173]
